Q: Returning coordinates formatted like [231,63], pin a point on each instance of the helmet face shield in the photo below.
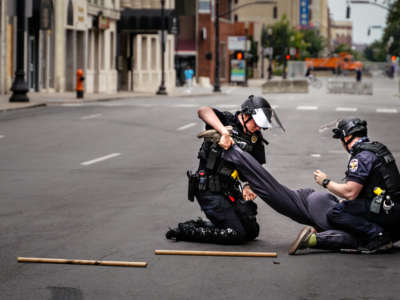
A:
[267,118]
[262,117]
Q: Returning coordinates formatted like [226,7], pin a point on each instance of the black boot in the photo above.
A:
[208,233]
[381,242]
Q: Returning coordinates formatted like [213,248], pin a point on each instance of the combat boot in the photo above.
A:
[381,242]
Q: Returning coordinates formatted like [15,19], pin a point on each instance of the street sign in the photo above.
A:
[269,51]
[238,70]
[236,43]
[292,51]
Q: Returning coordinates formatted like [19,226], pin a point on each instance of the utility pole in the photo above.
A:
[20,86]
[217,87]
[162,90]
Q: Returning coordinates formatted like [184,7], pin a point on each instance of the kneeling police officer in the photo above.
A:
[216,184]
[371,209]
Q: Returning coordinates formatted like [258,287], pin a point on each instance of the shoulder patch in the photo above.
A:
[353,165]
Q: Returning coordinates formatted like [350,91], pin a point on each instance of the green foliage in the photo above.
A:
[281,37]
[392,30]
[342,48]
[346,48]
[375,52]
[314,42]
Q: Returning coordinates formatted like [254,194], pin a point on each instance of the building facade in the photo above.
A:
[63,36]
[140,49]
[341,33]
[206,39]
[101,71]
[266,14]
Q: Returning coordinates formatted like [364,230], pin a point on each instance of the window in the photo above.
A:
[275,12]
[204,6]
[236,18]
[70,13]
[112,58]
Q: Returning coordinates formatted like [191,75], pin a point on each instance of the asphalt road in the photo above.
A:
[105,181]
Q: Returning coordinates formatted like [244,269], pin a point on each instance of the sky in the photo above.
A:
[363,16]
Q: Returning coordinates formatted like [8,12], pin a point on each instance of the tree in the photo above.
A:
[391,36]
[279,39]
[314,42]
[375,52]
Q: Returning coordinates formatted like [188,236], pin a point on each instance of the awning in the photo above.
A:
[148,19]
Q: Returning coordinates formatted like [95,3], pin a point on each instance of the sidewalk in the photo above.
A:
[48,98]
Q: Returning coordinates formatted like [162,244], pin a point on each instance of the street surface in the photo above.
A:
[105,180]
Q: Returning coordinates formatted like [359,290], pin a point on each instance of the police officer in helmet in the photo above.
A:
[371,190]
[216,184]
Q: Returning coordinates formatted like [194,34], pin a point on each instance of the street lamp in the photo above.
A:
[20,86]
[162,90]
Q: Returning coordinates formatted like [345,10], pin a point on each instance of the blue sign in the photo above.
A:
[304,12]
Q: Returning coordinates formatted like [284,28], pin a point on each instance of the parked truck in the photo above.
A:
[342,62]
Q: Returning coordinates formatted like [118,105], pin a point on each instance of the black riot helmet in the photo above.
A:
[350,126]
[260,111]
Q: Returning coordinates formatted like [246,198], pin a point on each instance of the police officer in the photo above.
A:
[305,206]
[371,209]
[216,182]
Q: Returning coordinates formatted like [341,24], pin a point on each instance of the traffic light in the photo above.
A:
[348,12]
[239,55]
[394,58]
[288,57]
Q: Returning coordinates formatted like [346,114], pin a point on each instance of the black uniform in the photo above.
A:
[218,192]
[373,166]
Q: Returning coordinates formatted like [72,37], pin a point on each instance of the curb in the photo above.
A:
[23,107]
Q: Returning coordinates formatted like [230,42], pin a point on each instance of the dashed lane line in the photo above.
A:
[350,109]
[1,136]
[185,105]
[186,126]
[91,116]
[307,107]
[386,110]
[99,159]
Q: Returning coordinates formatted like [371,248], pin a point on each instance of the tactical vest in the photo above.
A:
[221,175]
[384,174]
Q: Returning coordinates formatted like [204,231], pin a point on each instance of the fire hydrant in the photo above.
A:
[79,83]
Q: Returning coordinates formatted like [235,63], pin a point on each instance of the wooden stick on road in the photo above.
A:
[216,253]
[81,262]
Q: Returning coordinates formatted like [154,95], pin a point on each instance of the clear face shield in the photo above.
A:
[267,118]
[326,130]
[329,132]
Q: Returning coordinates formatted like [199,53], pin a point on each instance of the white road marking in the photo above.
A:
[186,105]
[230,90]
[1,136]
[307,107]
[96,160]
[386,110]
[186,126]
[316,155]
[275,106]
[72,104]
[227,106]
[346,109]
[91,117]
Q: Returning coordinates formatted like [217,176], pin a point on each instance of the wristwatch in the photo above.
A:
[325,182]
